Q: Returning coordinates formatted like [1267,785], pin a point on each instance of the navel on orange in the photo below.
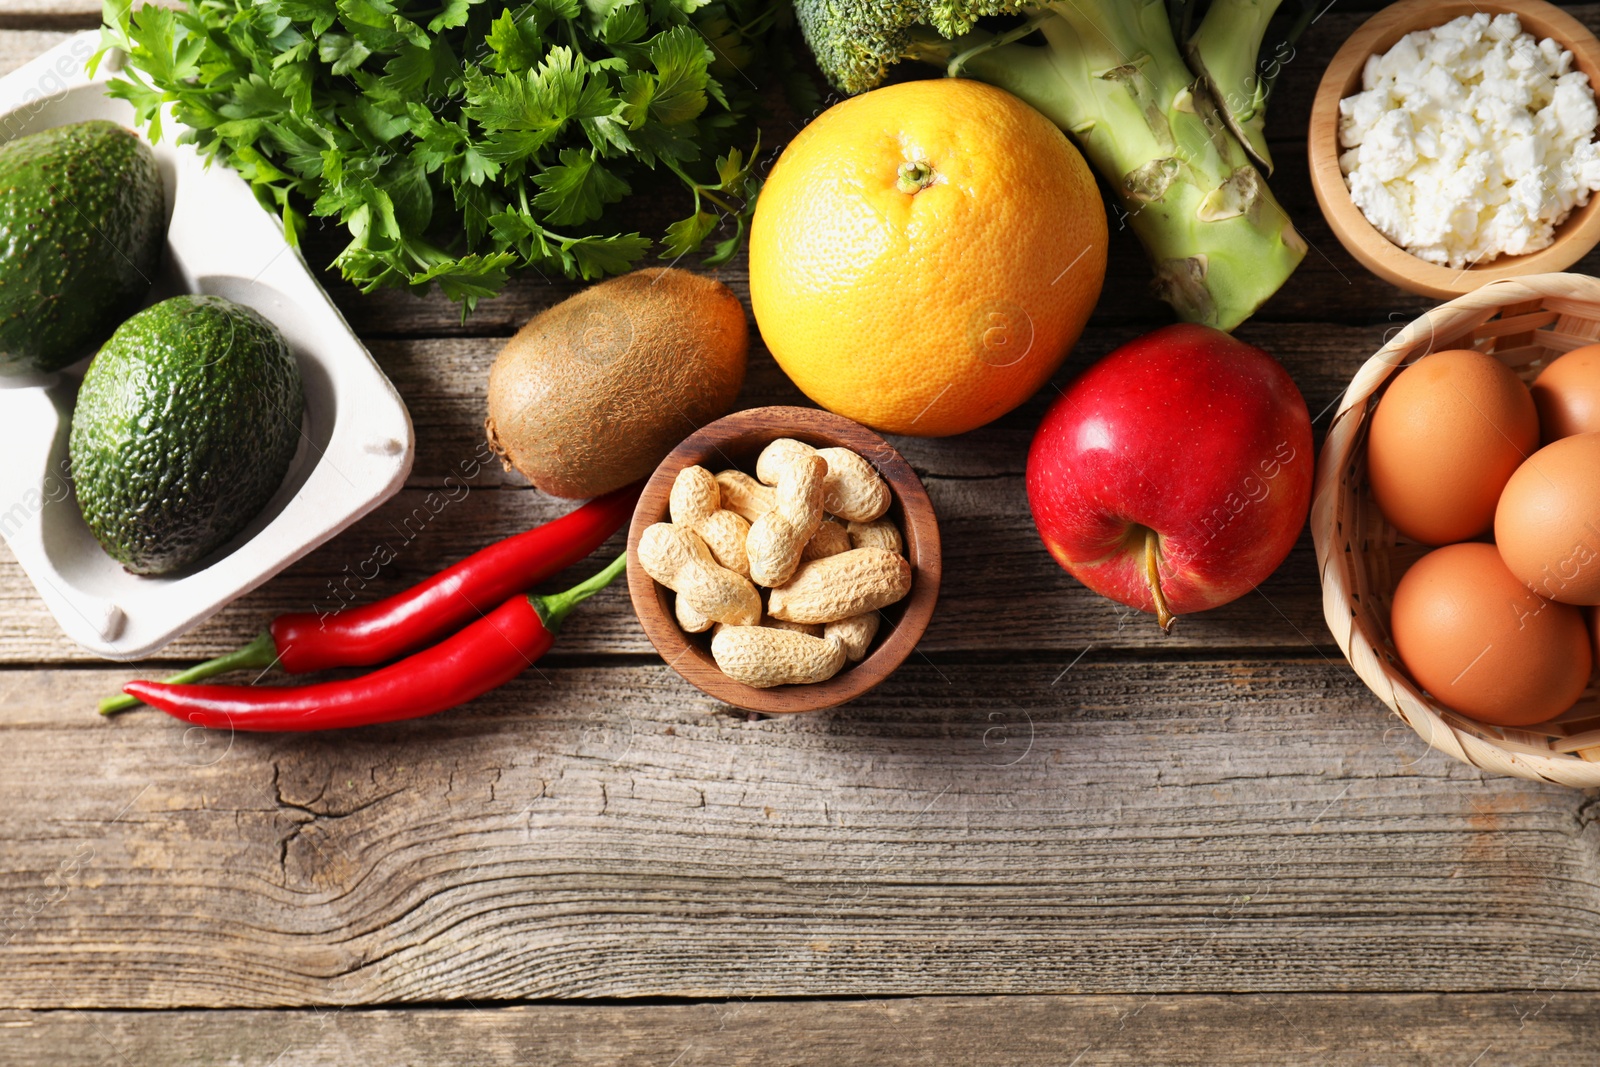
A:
[924,256]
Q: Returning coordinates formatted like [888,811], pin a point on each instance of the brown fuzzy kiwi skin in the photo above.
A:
[592,393]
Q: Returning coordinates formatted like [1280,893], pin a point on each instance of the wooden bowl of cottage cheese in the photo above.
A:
[1452,146]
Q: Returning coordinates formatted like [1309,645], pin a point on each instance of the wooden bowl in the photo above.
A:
[736,441]
[1526,323]
[1573,238]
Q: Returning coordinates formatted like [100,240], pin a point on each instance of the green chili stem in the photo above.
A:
[258,655]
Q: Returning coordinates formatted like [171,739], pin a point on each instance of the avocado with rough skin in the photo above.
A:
[185,426]
[82,221]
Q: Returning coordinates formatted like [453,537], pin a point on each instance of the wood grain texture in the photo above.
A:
[32,21]
[460,500]
[1554,1029]
[61,14]
[19,46]
[1104,826]
[1049,798]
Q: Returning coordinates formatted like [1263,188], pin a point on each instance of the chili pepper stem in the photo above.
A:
[554,609]
[259,654]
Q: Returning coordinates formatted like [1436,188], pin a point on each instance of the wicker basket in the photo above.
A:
[1526,322]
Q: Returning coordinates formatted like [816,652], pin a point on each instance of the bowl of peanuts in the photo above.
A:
[784,559]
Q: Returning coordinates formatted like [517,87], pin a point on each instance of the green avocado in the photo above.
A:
[81,232]
[185,426]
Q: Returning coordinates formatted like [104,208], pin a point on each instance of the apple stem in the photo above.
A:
[1152,575]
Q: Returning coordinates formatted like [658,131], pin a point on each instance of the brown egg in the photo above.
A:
[1567,394]
[1449,431]
[1548,521]
[1474,637]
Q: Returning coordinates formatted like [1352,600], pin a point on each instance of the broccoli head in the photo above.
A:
[855,41]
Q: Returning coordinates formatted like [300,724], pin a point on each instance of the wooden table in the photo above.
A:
[1055,836]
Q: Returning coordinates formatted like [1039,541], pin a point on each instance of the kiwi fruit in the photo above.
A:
[594,392]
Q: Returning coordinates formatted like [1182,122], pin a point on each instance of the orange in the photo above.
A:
[924,256]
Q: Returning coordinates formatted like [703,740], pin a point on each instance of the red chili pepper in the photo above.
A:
[484,656]
[376,633]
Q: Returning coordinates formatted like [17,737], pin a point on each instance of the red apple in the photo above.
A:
[1175,474]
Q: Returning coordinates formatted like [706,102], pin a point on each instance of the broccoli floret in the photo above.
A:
[855,41]
[1110,73]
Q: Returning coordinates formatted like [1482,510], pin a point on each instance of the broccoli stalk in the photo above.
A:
[1223,52]
[1111,76]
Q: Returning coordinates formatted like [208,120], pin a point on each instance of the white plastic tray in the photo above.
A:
[356,447]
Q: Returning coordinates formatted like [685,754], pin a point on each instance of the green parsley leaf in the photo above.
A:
[454,14]
[680,57]
[173,50]
[685,235]
[515,42]
[577,189]
[626,23]
[320,14]
[598,256]
[343,52]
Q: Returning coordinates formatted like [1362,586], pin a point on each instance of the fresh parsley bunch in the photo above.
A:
[460,139]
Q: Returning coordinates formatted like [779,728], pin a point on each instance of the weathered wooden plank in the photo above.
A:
[1551,1028]
[67,16]
[64,14]
[445,382]
[51,12]
[1105,826]
[19,46]
[1032,822]
[992,556]
[991,548]
[44,10]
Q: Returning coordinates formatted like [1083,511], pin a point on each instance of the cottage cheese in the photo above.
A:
[1470,141]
